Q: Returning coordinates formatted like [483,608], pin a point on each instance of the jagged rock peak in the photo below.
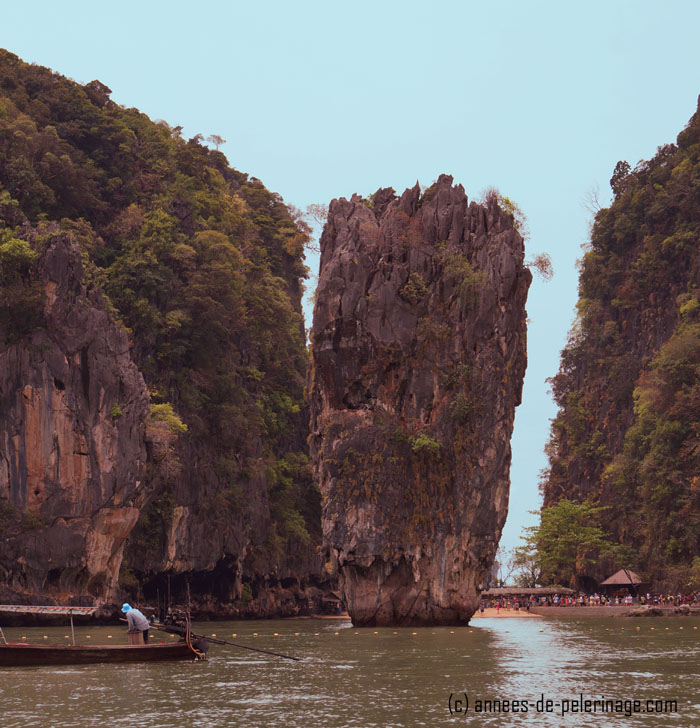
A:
[418,358]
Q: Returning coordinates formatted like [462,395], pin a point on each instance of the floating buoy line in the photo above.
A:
[637,628]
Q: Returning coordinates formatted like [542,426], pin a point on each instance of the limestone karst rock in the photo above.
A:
[73,409]
[418,358]
[625,436]
[203,266]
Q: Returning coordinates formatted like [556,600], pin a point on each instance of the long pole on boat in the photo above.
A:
[72,629]
[218,641]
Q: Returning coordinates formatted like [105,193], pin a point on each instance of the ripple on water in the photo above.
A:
[632,673]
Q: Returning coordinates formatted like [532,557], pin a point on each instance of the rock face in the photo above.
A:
[418,357]
[72,440]
[204,267]
[628,388]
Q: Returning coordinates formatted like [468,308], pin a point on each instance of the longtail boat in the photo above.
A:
[17,655]
[21,654]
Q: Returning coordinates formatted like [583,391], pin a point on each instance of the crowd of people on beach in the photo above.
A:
[591,600]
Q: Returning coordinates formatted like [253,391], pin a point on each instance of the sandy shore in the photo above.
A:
[576,612]
[504,613]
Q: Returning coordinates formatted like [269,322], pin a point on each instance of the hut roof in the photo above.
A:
[624,577]
[516,591]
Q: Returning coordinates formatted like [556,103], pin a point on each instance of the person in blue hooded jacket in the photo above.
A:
[136,622]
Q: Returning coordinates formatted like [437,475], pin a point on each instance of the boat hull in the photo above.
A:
[14,655]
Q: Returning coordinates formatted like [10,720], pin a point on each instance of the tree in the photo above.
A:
[542,265]
[591,200]
[618,181]
[505,563]
[318,214]
[568,541]
[216,140]
[310,221]
[97,92]
[527,568]
[694,575]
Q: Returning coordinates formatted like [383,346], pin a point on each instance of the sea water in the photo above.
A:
[493,672]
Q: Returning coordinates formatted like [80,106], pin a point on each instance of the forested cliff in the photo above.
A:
[187,276]
[627,434]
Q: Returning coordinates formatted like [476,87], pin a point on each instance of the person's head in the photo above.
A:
[126,607]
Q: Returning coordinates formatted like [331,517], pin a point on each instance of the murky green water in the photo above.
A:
[364,677]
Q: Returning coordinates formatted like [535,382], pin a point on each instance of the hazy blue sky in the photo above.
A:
[323,99]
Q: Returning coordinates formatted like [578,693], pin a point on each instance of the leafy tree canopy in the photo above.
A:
[566,543]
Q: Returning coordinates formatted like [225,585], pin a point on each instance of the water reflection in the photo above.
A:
[365,677]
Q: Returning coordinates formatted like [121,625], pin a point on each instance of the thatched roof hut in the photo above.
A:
[623,577]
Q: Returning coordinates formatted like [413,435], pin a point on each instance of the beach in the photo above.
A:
[503,613]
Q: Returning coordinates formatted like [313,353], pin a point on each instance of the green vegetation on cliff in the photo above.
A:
[565,545]
[204,268]
[628,390]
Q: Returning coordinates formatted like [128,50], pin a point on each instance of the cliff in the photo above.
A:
[201,270]
[72,432]
[418,357]
[626,432]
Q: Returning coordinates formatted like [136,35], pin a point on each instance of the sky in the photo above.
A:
[323,99]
